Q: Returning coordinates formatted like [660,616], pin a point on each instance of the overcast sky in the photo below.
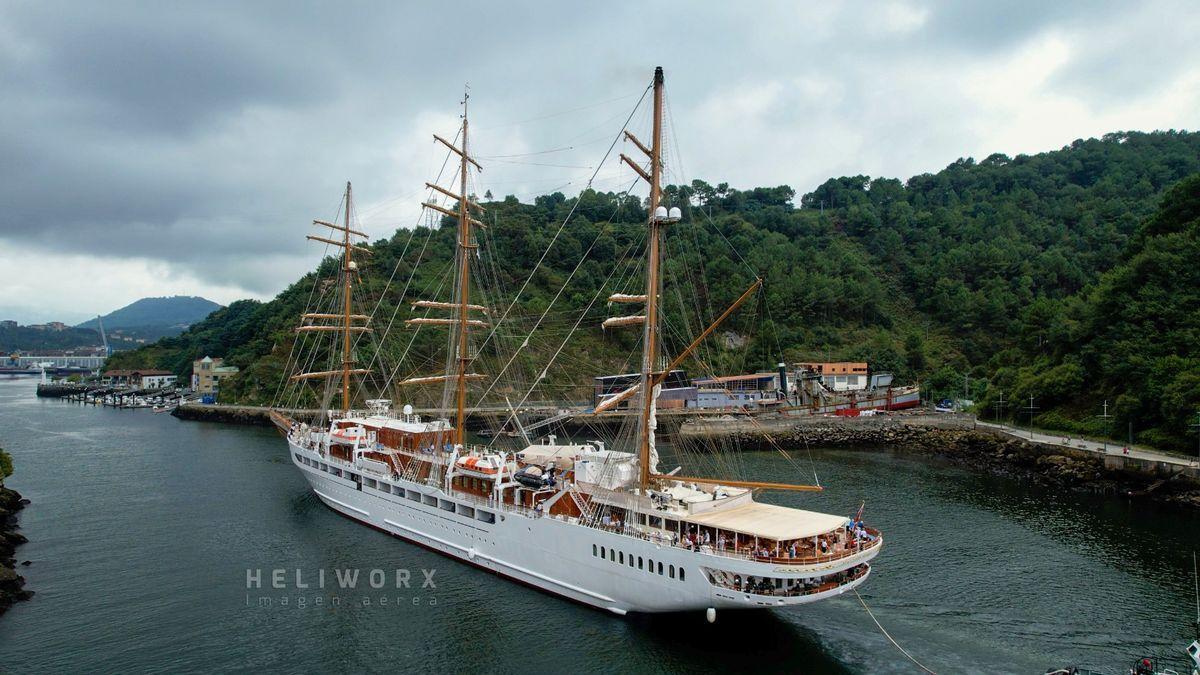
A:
[184,148]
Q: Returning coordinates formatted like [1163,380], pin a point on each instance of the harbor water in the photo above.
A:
[155,543]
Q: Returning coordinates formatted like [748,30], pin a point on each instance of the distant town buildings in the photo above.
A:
[91,358]
[207,374]
[733,391]
[840,375]
[142,379]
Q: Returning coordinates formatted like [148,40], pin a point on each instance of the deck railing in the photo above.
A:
[850,576]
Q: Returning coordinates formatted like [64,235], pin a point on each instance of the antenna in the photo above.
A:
[1196,581]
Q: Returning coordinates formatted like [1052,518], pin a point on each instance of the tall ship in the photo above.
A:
[594,521]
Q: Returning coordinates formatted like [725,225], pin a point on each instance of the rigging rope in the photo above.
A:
[888,635]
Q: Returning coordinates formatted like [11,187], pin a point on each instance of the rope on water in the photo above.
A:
[888,636]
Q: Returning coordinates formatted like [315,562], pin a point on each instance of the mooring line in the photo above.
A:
[888,635]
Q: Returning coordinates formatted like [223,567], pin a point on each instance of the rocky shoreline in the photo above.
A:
[1054,467]
[11,583]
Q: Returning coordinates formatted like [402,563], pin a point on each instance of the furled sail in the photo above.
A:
[652,422]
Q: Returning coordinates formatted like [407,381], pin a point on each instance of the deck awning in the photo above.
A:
[768,521]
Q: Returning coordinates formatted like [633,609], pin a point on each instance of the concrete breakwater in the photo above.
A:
[11,583]
[959,439]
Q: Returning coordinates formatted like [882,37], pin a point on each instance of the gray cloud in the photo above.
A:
[205,136]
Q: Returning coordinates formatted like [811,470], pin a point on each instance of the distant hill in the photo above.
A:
[153,318]
[44,336]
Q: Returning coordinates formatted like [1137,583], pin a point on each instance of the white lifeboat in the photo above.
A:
[348,435]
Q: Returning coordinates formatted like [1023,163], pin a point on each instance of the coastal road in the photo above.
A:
[1090,446]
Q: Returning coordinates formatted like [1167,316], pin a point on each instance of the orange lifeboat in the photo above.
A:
[481,466]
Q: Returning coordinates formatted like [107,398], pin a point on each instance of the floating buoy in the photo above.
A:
[711,614]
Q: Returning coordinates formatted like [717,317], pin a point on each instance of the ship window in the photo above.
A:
[650,568]
[603,552]
[639,562]
[593,550]
[612,554]
[681,574]
[631,560]
[446,505]
[671,570]
[415,496]
[660,569]
[486,516]
[621,558]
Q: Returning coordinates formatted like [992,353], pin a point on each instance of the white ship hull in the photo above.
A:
[555,554]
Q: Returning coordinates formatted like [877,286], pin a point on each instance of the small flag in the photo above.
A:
[858,517]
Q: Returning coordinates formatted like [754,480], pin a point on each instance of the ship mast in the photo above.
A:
[464,277]
[347,318]
[653,282]
[650,378]
[347,272]
[461,323]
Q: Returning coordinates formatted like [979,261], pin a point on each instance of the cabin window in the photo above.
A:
[603,553]
[671,570]
[681,574]
[299,458]
[621,557]
[446,505]
[639,562]
[464,510]
[660,569]
[593,550]
[415,496]
[486,516]
[650,569]
[612,555]
[631,560]
[429,500]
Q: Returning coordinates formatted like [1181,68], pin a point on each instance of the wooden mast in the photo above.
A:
[464,260]
[653,282]
[460,321]
[347,329]
[343,319]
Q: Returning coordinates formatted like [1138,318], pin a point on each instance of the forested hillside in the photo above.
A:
[983,269]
